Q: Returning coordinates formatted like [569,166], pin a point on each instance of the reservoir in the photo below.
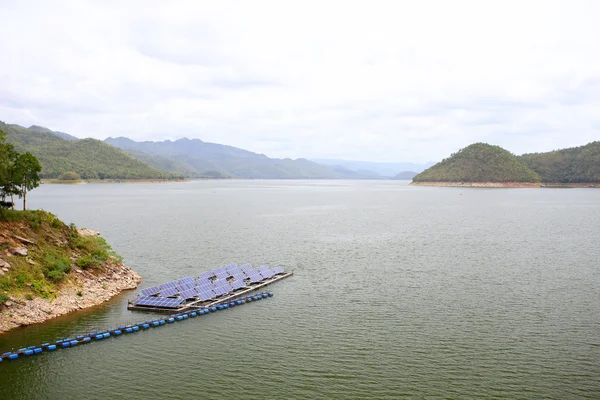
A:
[421,292]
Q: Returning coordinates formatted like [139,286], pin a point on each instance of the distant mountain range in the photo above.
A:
[197,159]
[123,158]
[481,162]
[387,169]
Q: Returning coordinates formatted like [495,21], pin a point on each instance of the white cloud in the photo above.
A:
[381,81]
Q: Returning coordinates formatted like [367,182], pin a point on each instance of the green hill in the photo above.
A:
[90,158]
[573,165]
[216,160]
[479,162]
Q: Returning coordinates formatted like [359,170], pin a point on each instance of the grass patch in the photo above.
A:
[56,266]
[57,248]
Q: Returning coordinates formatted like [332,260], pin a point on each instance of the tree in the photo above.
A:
[27,168]
[8,157]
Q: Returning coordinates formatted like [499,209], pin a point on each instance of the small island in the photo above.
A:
[484,165]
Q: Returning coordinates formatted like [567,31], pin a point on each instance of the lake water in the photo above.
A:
[398,291]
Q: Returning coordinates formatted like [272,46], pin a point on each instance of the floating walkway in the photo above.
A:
[211,287]
[133,328]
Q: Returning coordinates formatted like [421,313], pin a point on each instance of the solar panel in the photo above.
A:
[222,274]
[237,284]
[246,267]
[206,295]
[150,291]
[186,279]
[255,277]
[169,292]
[185,286]
[157,302]
[167,285]
[221,283]
[278,270]
[188,294]
[203,281]
[206,274]
[221,290]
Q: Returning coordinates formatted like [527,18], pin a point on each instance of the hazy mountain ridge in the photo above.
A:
[212,158]
[389,169]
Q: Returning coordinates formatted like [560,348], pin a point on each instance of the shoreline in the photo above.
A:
[506,184]
[84,290]
[86,181]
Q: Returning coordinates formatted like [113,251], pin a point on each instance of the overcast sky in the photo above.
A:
[369,80]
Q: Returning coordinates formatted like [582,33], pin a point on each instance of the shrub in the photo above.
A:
[69,176]
[55,275]
[56,266]
[4,298]
[85,262]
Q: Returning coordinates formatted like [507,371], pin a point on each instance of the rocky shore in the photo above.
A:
[31,293]
[85,289]
[480,184]
[508,184]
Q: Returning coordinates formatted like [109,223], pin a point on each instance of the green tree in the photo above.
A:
[27,168]
[8,157]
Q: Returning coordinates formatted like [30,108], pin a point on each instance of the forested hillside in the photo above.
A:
[479,162]
[573,165]
[89,158]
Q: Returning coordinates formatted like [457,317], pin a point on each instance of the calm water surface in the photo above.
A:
[398,291]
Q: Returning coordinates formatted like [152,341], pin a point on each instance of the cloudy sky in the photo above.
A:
[366,80]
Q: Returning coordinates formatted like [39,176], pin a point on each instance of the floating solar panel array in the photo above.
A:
[209,285]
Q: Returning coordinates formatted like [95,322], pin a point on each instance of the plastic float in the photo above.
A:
[127,329]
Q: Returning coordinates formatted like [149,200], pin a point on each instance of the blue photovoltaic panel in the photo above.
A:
[246,267]
[237,284]
[157,302]
[209,288]
[255,277]
[169,292]
[185,286]
[206,274]
[203,281]
[221,283]
[188,294]
[222,274]
[206,295]
[187,279]
[168,285]
[221,290]
[278,270]
[240,277]
[150,291]
[267,274]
